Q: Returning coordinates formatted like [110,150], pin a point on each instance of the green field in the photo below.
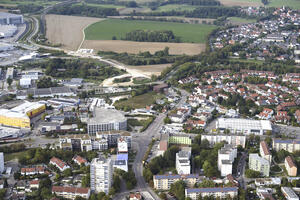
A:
[242,20]
[102,5]
[295,4]
[176,7]
[105,30]
[15,3]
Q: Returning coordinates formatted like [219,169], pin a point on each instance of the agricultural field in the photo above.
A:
[241,2]
[176,7]
[272,3]
[120,46]
[102,5]
[104,30]
[140,101]
[13,3]
[67,31]
[239,20]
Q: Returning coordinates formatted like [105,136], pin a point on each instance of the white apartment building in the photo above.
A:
[234,140]
[226,156]
[287,145]
[289,193]
[101,172]
[183,163]
[1,162]
[260,164]
[164,182]
[264,151]
[216,192]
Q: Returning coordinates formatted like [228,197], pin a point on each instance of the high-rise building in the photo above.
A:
[1,162]
[259,164]
[101,171]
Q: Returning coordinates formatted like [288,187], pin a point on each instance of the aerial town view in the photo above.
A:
[149,99]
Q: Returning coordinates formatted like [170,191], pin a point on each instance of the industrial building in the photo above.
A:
[21,115]
[7,30]
[106,120]
[8,18]
[244,126]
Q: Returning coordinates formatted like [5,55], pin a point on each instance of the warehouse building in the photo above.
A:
[244,126]
[7,30]
[8,18]
[21,115]
[106,120]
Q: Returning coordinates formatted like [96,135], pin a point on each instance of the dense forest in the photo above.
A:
[84,10]
[151,36]
[69,68]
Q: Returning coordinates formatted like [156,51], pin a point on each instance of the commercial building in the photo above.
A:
[61,165]
[244,126]
[183,163]
[289,193]
[234,140]
[71,192]
[101,173]
[264,151]
[259,164]
[1,162]
[21,115]
[290,166]
[226,156]
[216,192]
[287,145]
[163,182]
[8,18]
[62,102]
[33,75]
[82,142]
[106,120]
[25,82]
[7,31]
[46,92]
[179,139]
[111,137]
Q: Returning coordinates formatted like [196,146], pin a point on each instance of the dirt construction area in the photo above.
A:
[136,47]
[67,31]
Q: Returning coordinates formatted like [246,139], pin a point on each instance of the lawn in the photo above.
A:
[102,5]
[15,3]
[105,30]
[11,156]
[140,101]
[295,4]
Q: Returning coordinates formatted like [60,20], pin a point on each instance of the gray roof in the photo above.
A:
[102,115]
[4,14]
[212,190]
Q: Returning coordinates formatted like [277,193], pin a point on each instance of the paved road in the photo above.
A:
[241,170]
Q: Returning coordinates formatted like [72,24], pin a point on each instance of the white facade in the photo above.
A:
[183,164]
[289,193]
[226,156]
[122,146]
[260,164]
[101,172]
[234,140]
[1,162]
[244,126]
[25,82]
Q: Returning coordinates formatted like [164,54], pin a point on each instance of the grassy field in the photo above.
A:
[241,20]
[176,7]
[192,33]
[272,3]
[289,3]
[11,156]
[20,2]
[102,5]
[140,101]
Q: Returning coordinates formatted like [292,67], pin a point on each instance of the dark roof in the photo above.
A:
[212,190]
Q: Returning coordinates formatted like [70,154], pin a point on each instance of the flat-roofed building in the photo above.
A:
[183,163]
[82,142]
[290,166]
[106,120]
[244,126]
[216,192]
[163,182]
[264,151]
[235,140]
[179,139]
[289,193]
[9,18]
[226,156]
[259,164]
[10,73]
[289,145]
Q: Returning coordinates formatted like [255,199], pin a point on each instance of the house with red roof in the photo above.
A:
[79,160]
[71,192]
[61,165]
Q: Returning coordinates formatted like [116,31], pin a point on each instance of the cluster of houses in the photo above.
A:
[268,38]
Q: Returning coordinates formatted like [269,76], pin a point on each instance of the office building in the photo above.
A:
[244,126]
[259,164]
[234,140]
[290,166]
[264,151]
[106,120]
[289,193]
[287,145]
[8,18]
[216,192]
[226,156]
[101,173]
[183,163]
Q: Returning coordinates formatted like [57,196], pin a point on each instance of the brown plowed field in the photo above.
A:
[120,46]
[67,30]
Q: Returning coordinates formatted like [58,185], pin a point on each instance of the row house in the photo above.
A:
[29,171]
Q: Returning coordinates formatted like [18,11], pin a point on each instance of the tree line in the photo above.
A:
[84,10]
[152,36]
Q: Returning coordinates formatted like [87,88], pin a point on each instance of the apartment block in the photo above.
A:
[163,182]
[226,156]
[101,173]
[260,164]
[216,192]
[183,163]
[71,192]
[289,193]
[290,166]
[264,151]
[234,140]
[287,145]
